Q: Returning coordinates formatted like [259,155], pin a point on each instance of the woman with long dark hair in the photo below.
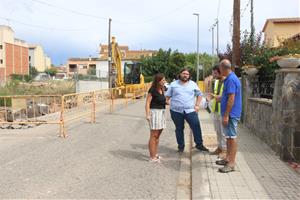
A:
[155,114]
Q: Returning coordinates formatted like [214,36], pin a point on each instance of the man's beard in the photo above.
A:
[184,79]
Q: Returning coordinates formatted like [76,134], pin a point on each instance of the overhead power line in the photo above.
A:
[70,10]
[164,15]
[115,19]
[244,10]
[42,27]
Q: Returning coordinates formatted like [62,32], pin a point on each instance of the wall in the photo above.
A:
[258,120]
[286,113]
[277,121]
[89,86]
[38,58]
[47,62]
[16,58]
[14,55]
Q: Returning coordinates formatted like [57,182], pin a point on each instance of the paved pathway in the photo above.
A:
[260,174]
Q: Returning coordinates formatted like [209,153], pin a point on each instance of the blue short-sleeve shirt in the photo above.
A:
[183,96]
[232,85]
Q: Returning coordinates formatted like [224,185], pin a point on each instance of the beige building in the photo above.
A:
[126,53]
[38,58]
[279,29]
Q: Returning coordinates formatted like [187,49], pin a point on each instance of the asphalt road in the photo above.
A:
[108,159]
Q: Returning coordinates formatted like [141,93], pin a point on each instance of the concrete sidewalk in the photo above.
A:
[260,174]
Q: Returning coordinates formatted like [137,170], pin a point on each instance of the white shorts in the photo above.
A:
[157,119]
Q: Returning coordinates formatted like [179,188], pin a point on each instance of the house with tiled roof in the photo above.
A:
[99,65]
[277,30]
[126,53]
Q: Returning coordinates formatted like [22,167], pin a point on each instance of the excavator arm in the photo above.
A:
[116,62]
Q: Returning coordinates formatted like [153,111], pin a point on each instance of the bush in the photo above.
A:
[33,72]
[52,71]
[21,77]
[254,52]
[91,71]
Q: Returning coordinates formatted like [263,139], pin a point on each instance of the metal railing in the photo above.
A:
[263,87]
[61,109]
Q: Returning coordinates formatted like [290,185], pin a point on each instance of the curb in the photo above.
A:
[184,182]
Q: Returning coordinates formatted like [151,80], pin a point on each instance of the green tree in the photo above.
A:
[51,71]
[33,72]
[257,54]
[171,62]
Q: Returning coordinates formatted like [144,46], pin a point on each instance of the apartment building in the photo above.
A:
[13,54]
[38,58]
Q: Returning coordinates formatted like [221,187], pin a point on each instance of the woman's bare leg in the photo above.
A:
[153,143]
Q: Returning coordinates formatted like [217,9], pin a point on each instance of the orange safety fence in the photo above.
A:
[61,109]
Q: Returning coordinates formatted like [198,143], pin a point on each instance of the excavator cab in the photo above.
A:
[133,73]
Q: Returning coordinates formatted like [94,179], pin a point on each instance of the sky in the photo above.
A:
[73,28]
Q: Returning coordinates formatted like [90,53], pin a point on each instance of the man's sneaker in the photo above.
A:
[226,169]
[180,148]
[201,148]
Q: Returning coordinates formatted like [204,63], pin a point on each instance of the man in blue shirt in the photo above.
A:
[182,93]
[231,108]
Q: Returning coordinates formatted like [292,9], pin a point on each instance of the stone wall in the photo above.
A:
[258,120]
[277,121]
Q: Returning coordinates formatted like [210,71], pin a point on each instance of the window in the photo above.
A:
[1,61]
[29,58]
[0,46]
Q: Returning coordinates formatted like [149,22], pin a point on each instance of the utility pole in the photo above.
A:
[236,34]
[212,29]
[109,55]
[197,67]
[252,25]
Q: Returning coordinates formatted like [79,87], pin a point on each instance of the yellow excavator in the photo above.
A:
[131,82]
[132,74]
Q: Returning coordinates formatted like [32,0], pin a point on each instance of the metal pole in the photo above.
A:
[252,25]
[212,41]
[217,36]
[109,55]
[197,67]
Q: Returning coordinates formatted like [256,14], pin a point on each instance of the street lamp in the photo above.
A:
[197,67]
